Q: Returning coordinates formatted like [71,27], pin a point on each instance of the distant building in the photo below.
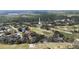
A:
[64,21]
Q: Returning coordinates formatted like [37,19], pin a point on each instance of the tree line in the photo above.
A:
[35,18]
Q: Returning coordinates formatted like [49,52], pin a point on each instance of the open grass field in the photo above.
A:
[41,31]
[14,46]
[38,46]
[53,45]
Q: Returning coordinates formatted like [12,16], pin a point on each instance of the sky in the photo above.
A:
[39,4]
